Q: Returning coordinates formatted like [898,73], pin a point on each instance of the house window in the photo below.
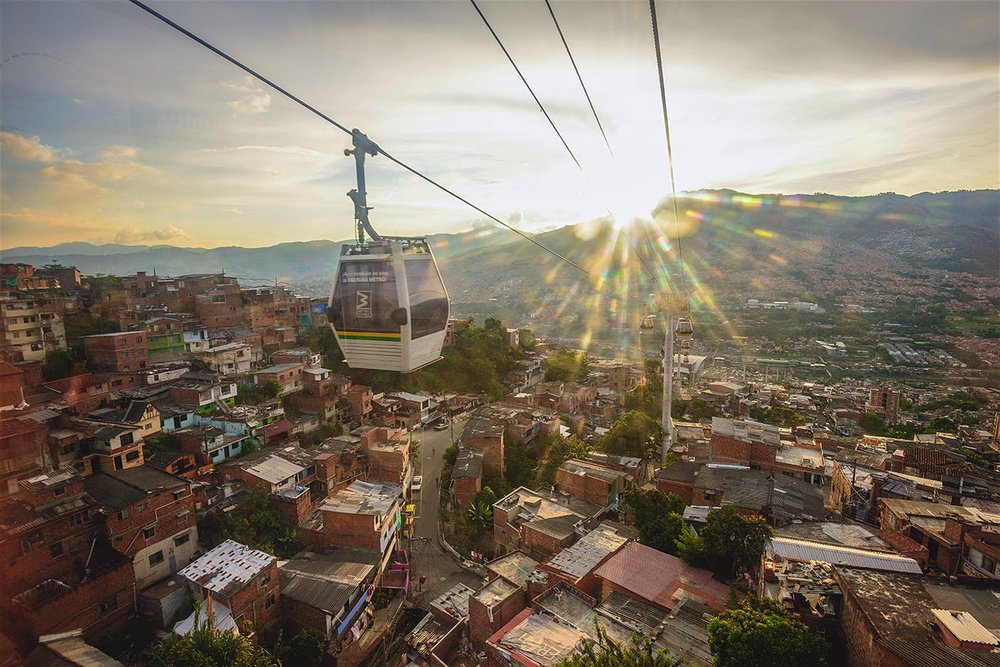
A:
[141,507]
[709,494]
[132,456]
[177,422]
[56,549]
[26,546]
[59,490]
[182,539]
[269,601]
[989,564]
[77,519]
[149,532]
[126,439]
[123,514]
[264,581]
[107,604]
[156,559]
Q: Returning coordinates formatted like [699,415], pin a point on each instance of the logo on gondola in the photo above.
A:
[364,308]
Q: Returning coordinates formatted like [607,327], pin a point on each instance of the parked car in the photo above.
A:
[416,483]
[442,425]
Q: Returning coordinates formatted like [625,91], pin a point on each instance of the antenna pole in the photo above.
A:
[362,146]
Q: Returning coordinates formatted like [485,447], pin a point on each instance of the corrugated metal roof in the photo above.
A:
[965,627]
[588,552]
[275,469]
[228,567]
[805,550]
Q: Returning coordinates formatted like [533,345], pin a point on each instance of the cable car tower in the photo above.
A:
[388,305]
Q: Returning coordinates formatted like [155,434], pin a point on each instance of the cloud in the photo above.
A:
[120,153]
[30,149]
[131,235]
[254,99]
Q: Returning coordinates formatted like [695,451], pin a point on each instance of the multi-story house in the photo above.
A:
[21,334]
[119,352]
[59,573]
[238,583]
[228,359]
[201,389]
[147,515]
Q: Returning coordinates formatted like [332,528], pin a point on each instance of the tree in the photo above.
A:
[556,449]
[206,646]
[255,523]
[871,424]
[565,365]
[606,652]
[758,633]
[58,364]
[635,434]
[306,648]
[450,455]
[690,547]
[518,463]
[657,517]
[734,543]
[480,514]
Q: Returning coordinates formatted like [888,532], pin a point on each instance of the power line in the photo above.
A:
[579,76]
[525,81]
[670,152]
[343,128]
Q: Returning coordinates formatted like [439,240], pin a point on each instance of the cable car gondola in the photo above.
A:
[388,305]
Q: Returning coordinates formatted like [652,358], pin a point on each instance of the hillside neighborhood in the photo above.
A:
[176,449]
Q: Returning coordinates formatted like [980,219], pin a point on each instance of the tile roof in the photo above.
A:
[661,578]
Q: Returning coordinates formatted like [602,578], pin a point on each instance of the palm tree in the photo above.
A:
[480,515]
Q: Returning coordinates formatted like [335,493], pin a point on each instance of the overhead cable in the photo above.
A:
[525,81]
[343,128]
[666,130]
[579,77]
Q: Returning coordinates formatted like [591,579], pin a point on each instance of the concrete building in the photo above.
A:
[21,335]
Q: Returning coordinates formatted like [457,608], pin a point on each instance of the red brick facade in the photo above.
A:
[118,352]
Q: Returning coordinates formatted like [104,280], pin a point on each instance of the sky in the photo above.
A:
[116,128]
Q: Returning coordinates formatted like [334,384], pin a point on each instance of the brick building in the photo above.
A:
[658,578]
[539,524]
[288,377]
[22,451]
[884,402]
[330,592]
[49,537]
[779,498]
[577,564]
[220,306]
[467,477]
[591,482]
[118,352]
[492,607]
[949,538]
[889,619]
[242,579]
[485,435]
[147,515]
[363,515]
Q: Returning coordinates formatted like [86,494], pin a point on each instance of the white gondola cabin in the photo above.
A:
[388,307]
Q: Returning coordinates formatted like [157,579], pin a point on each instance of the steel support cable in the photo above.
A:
[579,76]
[219,52]
[525,82]
[670,151]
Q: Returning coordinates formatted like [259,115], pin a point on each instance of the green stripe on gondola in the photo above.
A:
[369,335]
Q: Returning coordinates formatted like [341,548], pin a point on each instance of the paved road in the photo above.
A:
[428,558]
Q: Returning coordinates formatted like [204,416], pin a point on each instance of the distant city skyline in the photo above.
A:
[115,128]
